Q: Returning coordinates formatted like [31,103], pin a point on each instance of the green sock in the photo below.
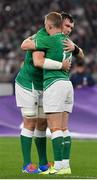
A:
[41,149]
[57,148]
[26,143]
[66,148]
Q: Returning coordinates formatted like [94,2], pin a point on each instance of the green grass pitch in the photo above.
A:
[83,160]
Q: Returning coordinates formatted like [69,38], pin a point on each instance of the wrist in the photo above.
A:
[76,50]
[51,64]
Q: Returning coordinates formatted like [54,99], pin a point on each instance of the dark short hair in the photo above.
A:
[67,16]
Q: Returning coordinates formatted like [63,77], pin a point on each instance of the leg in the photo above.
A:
[40,134]
[55,124]
[54,105]
[67,138]
[26,142]
[40,140]
[26,139]
[26,101]
[67,141]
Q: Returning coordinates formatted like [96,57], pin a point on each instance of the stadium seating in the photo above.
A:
[20,19]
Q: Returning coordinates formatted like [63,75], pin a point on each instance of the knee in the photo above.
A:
[29,123]
[41,124]
[29,117]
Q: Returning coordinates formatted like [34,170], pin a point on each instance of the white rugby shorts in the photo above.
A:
[59,97]
[30,100]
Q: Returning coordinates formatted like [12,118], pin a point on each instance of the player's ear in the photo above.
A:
[50,27]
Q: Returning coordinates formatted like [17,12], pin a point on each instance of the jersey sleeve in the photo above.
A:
[42,43]
[42,40]
[33,36]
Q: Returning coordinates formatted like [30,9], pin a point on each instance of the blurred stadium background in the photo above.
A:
[21,18]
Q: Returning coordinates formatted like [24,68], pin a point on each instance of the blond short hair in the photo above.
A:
[55,18]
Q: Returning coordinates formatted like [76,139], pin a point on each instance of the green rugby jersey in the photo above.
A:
[54,49]
[29,76]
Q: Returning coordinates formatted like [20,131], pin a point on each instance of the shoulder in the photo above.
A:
[42,31]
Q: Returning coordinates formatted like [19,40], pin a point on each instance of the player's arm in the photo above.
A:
[44,43]
[71,47]
[46,63]
[39,60]
[28,44]
[78,52]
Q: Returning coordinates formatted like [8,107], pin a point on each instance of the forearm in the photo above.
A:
[40,61]
[72,47]
[46,63]
[78,52]
[28,44]
[81,54]
[51,64]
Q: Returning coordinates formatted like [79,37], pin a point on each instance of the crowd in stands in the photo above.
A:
[22,18]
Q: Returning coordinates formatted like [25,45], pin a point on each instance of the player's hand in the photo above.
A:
[66,65]
[70,46]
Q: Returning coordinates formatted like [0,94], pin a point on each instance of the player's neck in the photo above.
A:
[55,31]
